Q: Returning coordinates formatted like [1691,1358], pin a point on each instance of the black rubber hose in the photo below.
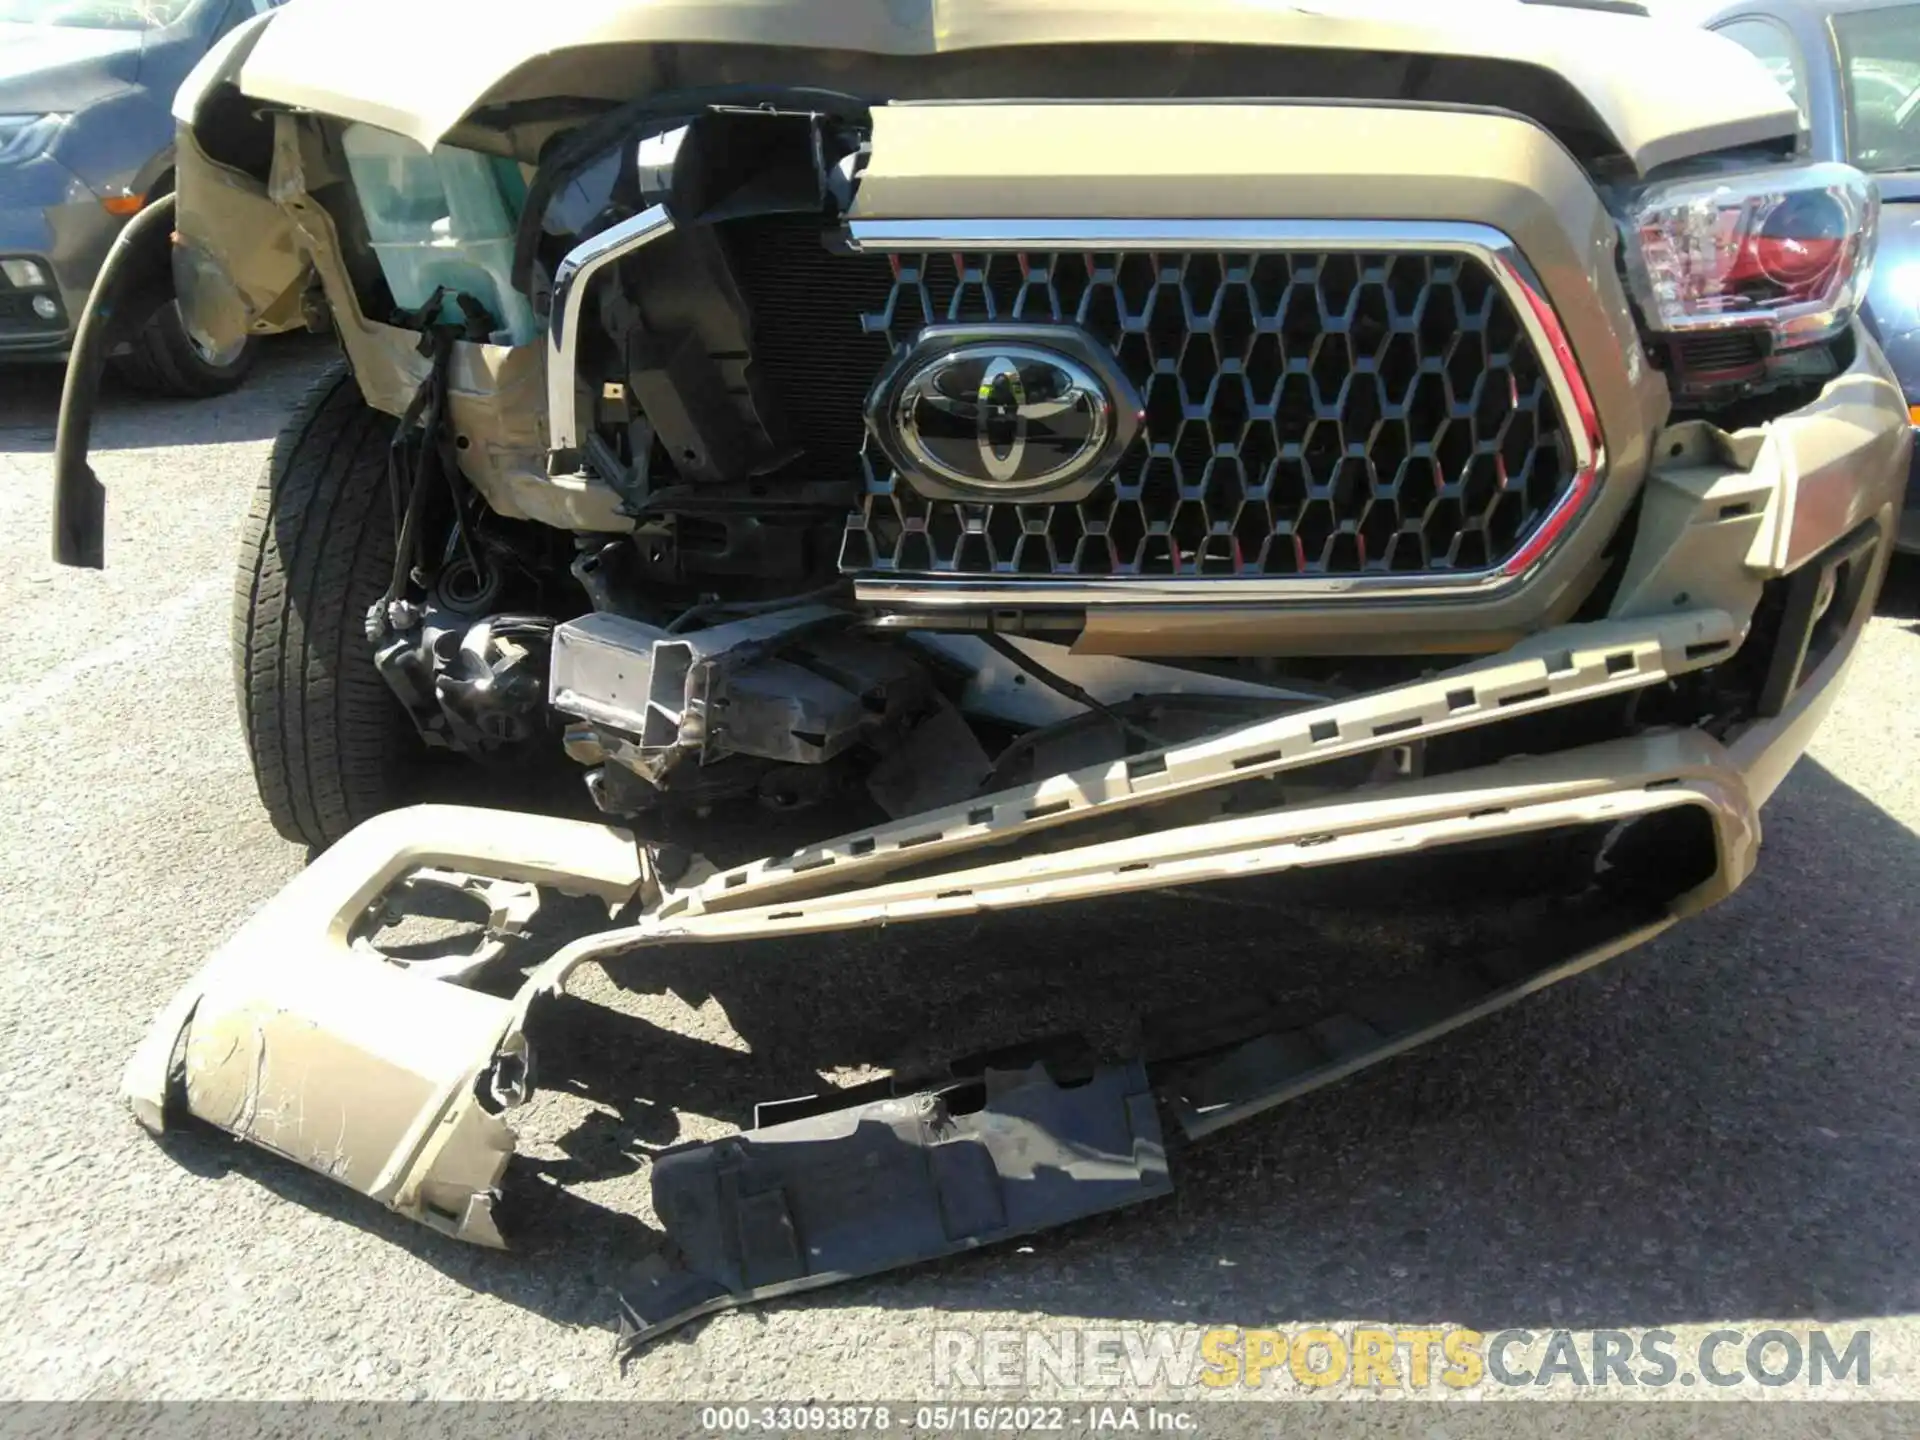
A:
[135,280]
[1019,658]
[430,397]
[748,608]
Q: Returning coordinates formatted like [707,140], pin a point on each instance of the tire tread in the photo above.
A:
[329,742]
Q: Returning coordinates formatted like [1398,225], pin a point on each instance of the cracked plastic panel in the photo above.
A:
[795,1206]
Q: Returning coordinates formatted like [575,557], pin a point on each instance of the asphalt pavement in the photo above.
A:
[1723,1127]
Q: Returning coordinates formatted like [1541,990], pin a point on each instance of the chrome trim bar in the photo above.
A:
[1491,247]
[1240,234]
[570,284]
[1021,592]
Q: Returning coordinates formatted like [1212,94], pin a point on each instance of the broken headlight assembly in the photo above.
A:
[1744,279]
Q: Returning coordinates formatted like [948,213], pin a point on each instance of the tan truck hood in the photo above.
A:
[418,67]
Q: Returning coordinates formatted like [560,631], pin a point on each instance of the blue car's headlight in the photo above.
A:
[24,136]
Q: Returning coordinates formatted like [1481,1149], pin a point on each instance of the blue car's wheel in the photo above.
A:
[163,359]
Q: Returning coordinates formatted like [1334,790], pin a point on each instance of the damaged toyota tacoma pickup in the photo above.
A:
[1021,452]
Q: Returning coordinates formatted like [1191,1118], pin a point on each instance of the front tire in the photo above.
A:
[330,743]
[164,360]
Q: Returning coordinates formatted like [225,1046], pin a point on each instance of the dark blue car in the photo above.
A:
[1853,67]
[86,141]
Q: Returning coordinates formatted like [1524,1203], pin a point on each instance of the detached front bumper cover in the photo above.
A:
[301,1040]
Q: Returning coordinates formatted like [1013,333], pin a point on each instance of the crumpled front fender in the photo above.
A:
[237,268]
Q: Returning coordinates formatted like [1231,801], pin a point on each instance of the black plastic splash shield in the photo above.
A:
[892,1182]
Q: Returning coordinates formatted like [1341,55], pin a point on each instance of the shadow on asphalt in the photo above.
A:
[1717,1125]
[127,420]
[1900,596]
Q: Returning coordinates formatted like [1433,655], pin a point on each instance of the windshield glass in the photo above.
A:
[1880,55]
[95,14]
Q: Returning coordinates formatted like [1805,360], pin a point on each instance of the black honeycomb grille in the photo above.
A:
[1330,415]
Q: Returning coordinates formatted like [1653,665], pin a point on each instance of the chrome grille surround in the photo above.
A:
[1451,454]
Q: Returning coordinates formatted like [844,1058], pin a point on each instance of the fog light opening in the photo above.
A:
[24,274]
